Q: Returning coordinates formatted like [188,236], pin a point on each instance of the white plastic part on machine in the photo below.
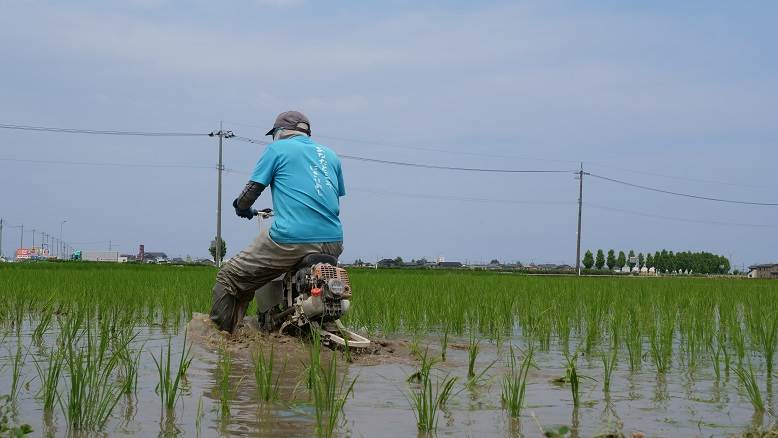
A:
[336,333]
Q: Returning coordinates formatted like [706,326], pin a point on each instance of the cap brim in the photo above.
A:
[270,132]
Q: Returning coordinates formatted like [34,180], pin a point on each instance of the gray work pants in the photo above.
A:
[252,268]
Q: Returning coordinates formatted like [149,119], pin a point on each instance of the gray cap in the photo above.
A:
[292,120]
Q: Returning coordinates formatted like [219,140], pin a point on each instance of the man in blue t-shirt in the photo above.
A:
[306,182]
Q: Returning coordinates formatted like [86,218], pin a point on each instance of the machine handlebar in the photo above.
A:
[264,213]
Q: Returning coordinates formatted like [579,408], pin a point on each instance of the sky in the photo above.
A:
[680,96]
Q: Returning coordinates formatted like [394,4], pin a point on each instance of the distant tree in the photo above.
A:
[622,260]
[359,262]
[649,261]
[599,262]
[611,259]
[658,261]
[588,260]
[222,249]
[664,261]
[422,261]
[641,260]
[494,262]
[398,261]
[630,257]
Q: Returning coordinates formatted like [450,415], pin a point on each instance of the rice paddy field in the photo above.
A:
[94,349]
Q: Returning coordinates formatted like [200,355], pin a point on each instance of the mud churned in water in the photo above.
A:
[249,336]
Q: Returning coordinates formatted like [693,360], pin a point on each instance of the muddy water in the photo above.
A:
[678,404]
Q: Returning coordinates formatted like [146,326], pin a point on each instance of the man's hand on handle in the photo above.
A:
[247,213]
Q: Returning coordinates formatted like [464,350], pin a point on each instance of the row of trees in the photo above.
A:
[662,261]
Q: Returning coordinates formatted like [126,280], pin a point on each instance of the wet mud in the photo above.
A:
[249,337]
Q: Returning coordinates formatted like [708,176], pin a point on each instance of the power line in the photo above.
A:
[108,164]
[681,178]
[458,198]
[419,165]
[419,148]
[678,219]
[100,131]
[685,195]
[433,166]
[250,140]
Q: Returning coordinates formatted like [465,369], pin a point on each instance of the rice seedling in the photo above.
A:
[224,387]
[608,364]
[16,369]
[267,387]
[329,394]
[747,378]
[170,379]
[514,385]
[444,344]
[49,378]
[199,415]
[43,324]
[427,399]
[573,378]
[92,393]
[634,342]
[129,361]
[473,348]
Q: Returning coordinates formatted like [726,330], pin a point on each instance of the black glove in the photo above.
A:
[247,213]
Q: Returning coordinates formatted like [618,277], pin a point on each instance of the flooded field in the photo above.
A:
[610,357]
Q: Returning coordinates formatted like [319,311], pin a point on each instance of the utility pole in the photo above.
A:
[21,238]
[222,134]
[1,237]
[33,239]
[61,223]
[580,207]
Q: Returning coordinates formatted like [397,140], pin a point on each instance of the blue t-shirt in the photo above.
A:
[307,182]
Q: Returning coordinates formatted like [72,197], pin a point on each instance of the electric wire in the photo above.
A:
[434,166]
[685,195]
[100,131]
[677,219]
[109,164]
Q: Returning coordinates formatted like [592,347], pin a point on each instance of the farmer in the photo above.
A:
[306,182]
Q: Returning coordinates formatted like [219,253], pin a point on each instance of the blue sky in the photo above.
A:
[677,96]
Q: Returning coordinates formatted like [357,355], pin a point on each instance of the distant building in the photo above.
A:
[100,256]
[449,265]
[155,257]
[767,270]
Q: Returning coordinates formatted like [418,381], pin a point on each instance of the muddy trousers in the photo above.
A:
[252,268]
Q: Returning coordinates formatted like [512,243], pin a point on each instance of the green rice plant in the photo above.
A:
[129,361]
[514,384]
[428,398]
[43,324]
[473,348]
[765,332]
[224,370]
[16,369]
[444,344]
[747,378]
[634,342]
[329,395]
[170,379]
[267,387]
[609,361]
[91,392]
[49,378]
[571,376]
[199,415]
